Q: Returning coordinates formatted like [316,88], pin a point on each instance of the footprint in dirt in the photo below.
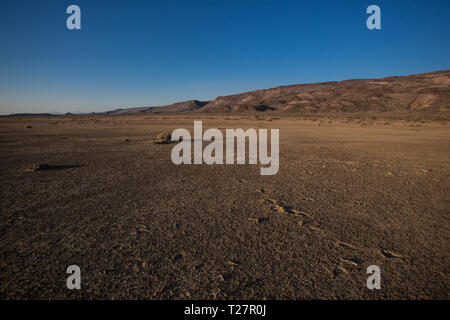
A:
[258,220]
[351,261]
[345,245]
[345,266]
[391,254]
[339,270]
[281,207]
[264,190]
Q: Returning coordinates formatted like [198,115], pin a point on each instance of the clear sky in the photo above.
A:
[146,53]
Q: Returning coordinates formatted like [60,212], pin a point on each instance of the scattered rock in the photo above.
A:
[163,138]
[177,256]
[257,220]
[28,126]
[225,276]
[143,229]
[199,266]
[44,166]
[233,263]
[126,140]
[262,190]
[38,167]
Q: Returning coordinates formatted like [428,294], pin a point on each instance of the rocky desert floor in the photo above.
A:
[348,194]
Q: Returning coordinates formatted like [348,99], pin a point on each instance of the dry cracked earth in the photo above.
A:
[347,195]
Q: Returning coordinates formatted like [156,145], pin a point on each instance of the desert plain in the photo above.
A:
[349,193]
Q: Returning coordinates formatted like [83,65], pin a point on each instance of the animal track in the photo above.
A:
[281,207]
[345,262]
[264,191]
[233,263]
[345,245]
[339,270]
[143,229]
[353,262]
[390,254]
[317,230]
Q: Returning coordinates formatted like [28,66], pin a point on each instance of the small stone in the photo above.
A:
[177,257]
[255,220]
[233,263]
[38,167]
[163,138]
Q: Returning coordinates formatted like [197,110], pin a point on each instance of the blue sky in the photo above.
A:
[145,53]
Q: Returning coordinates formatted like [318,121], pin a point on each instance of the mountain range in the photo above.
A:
[427,92]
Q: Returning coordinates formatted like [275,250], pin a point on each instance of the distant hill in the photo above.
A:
[31,115]
[191,105]
[428,92]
